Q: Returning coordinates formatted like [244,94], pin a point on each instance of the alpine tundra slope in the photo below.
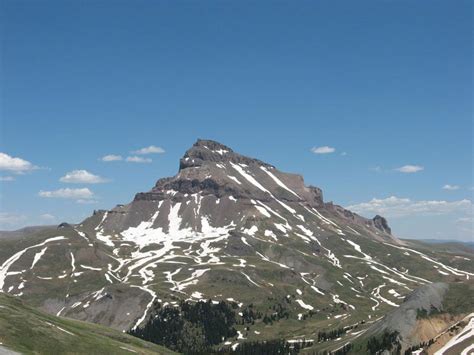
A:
[232,228]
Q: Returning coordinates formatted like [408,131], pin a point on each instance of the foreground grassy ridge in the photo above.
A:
[29,331]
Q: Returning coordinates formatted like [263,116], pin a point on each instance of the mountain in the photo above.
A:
[229,228]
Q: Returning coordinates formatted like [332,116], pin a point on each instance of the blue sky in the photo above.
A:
[387,84]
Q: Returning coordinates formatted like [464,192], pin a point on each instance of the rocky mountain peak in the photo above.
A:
[211,171]
[381,224]
[209,151]
[210,144]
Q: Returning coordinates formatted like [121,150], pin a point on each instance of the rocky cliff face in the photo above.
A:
[214,171]
[381,224]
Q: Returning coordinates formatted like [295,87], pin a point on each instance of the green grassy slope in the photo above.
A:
[29,331]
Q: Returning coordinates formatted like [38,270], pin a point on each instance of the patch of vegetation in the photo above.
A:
[344,350]
[422,313]
[459,298]
[269,347]
[250,315]
[277,310]
[331,334]
[387,341]
[190,328]
[423,345]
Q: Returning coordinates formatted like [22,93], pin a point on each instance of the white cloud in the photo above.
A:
[323,150]
[16,165]
[82,177]
[111,157]
[408,169]
[149,150]
[450,187]
[82,193]
[7,178]
[402,207]
[135,159]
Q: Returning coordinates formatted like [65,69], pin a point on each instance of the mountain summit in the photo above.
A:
[247,187]
[227,228]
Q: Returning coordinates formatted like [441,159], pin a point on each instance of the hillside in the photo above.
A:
[26,330]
